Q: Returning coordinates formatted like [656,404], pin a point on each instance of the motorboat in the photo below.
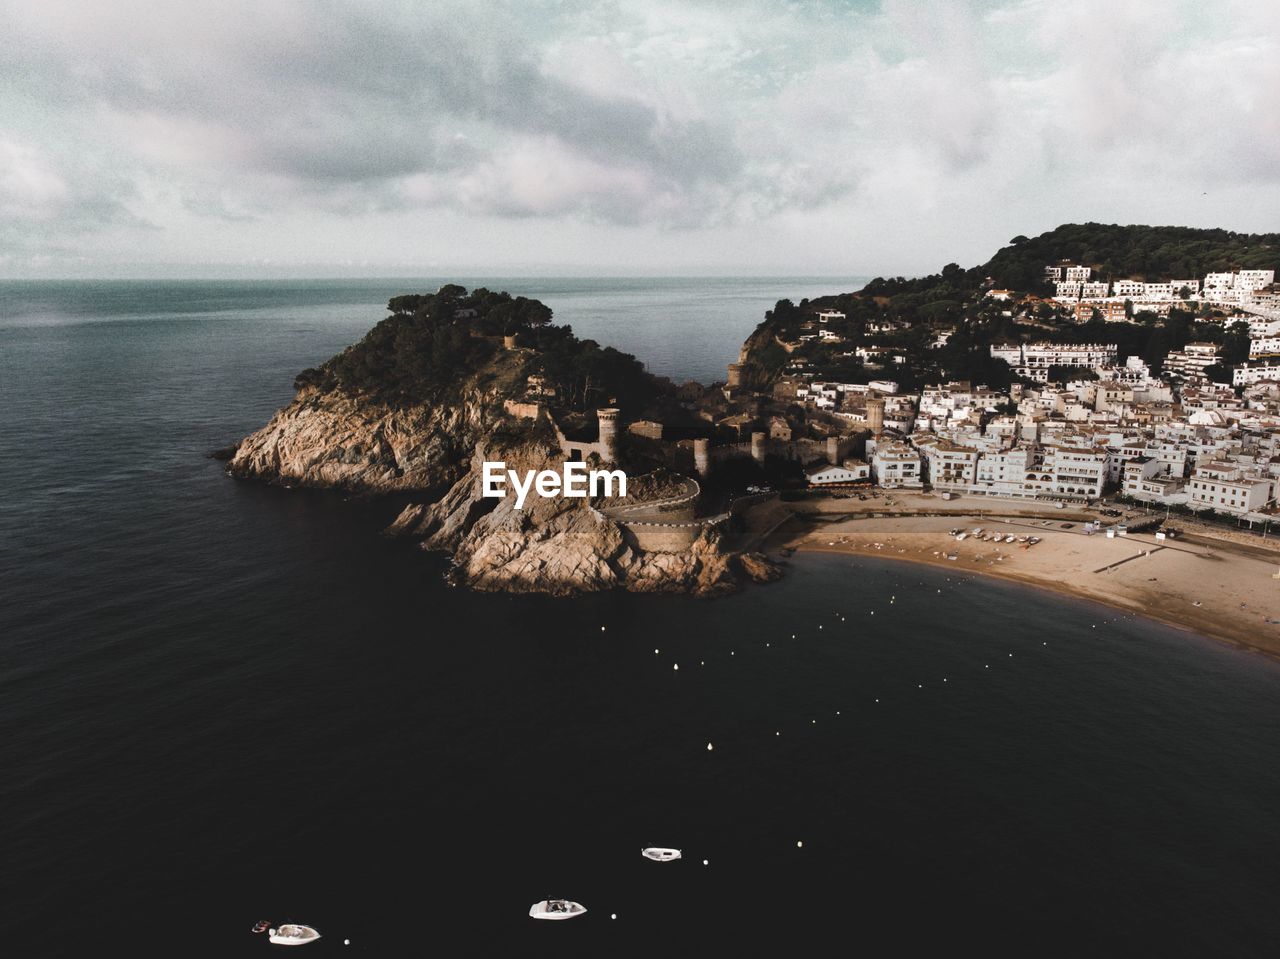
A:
[556,909]
[660,854]
[1011,539]
[292,934]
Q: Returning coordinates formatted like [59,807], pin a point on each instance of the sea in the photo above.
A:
[222,703]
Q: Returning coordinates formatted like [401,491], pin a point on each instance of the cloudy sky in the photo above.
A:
[260,137]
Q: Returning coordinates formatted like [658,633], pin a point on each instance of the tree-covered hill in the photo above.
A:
[1144,252]
[906,315]
[432,343]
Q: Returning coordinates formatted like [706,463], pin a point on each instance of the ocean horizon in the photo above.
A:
[231,702]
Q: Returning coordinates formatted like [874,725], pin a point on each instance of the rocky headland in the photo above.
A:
[452,379]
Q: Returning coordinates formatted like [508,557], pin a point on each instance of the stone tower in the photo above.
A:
[757,447]
[875,415]
[509,342]
[735,376]
[702,456]
[608,436]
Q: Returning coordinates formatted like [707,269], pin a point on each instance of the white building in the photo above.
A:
[1225,488]
[897,465]
[1247,373]
[1004,473]
[950,466]
[1264,345]
[1066,289]
[1254,279]
[1127,287]
[1158,291]
[825,316]
[1078,273]
[1192,360]
[1076,472]
[1094,290]
[850,471]
[1038,357]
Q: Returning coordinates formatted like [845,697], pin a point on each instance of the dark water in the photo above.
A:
[221,703]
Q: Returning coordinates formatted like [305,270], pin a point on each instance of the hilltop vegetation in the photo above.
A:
[1144,252]
[432,342]
[942,325]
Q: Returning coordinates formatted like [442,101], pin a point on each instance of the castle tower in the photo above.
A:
[735,377]
[608,436]
[757,447]
[702,456]
[875,414]
[509,342]
[833,450]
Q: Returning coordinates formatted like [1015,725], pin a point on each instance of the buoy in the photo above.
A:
[675,666]
[706,862]
[613,915]
[777,733]
[710,747]
[346,942]
[819,625]
[731,652]
[703,663]
[813,722]
[799,844]
[602,629]
[919,686]
[655,652]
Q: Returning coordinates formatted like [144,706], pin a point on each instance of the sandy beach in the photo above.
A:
[1209,584]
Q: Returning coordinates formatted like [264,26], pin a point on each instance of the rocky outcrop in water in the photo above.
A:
[442,385]
[557,546]
[331,440]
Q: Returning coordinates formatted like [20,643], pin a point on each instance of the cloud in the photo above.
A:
[681,116]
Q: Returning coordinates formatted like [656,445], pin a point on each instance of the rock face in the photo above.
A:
[331,440]
[557,546]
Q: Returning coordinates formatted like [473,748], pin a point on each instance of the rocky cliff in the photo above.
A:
[345,431]
[328,439]
[558,546]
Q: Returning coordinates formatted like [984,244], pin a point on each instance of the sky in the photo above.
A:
[554,137]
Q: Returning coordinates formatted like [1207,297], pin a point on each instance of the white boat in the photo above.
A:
[961,536]
[292,934]
[1011,539]
[556,909]
[660,853]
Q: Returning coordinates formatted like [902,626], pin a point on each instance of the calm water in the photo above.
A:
[222,702]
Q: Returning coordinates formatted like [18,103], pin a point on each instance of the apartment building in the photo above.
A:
[1226,488]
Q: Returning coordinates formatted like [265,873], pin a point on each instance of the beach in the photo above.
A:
[1217,583]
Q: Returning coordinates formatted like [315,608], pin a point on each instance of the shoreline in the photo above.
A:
[1215,588]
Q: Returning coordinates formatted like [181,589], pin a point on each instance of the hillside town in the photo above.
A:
[1075,422]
